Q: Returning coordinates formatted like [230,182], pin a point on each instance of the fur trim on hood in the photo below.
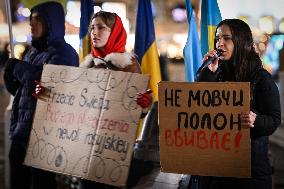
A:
[119,60]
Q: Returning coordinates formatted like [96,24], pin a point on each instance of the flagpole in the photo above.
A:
[8,109]
[9,21]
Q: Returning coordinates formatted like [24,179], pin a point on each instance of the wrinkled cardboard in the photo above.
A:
[186,147]
[85,123]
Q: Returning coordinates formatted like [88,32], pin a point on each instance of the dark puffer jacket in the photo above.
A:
[265,102]
[20,75]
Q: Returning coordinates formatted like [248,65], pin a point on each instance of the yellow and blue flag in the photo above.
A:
[191,51]
[31,3]
[145,45]
[210,18]
[87,10]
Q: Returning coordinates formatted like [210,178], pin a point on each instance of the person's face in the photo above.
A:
[224,41]
[100,32]
[37,26]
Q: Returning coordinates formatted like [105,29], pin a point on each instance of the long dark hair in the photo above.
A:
[246,59]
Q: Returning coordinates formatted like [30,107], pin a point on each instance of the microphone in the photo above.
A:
[207,63]
[210,60]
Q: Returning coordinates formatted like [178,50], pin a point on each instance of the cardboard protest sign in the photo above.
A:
[85,123]
[201,131]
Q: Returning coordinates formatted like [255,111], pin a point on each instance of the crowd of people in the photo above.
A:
[238,62]
[49,47]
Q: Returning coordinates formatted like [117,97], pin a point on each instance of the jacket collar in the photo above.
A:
[119,60]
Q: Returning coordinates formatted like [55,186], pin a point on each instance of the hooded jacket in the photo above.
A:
[19,77]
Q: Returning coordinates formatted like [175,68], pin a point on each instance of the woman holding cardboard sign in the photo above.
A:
[109,39]
[237,60]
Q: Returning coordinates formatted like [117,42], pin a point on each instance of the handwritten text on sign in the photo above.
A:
[85,123]
[200,128]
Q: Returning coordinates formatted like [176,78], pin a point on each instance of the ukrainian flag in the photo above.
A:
[31,3]
[87,10]
[145,45]
[191,51]
[210,18]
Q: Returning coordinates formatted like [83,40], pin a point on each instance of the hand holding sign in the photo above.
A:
[144,99]
[201,128]
[248,119]
[39,91]
[85,122]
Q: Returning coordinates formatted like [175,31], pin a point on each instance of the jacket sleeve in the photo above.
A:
[27,73]
[134,67]
[11,82]
[207,75]
[267,103]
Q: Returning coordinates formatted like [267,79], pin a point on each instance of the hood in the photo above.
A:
[53,14]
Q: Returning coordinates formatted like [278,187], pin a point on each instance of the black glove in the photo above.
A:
[10,81]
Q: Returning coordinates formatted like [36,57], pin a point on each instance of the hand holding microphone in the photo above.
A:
[210,59]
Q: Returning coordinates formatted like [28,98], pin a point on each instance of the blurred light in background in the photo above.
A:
[2,19]
[261,46]
[97,9]
[26,12]
[170,40]
[266,24]
[21,38]
[172,51]
[130,41]
[120,10]
[244,18]
[263,38]
[73,13]
[22,13]
[179,14]
[271,56]
[18,50]
[73,40]
[281,25]
[180,38]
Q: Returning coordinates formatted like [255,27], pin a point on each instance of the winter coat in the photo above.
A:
[125,62]
[265,102]
[20,75]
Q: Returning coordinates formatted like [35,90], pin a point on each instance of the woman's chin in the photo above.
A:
[97,46]
[224,58]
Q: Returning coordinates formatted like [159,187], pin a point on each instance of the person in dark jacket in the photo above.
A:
[239,62]
[48,46]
